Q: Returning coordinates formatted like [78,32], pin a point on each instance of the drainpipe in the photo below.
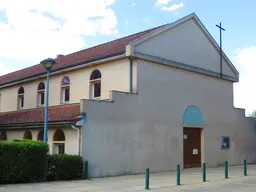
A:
[79,138]
[78,129]
[131,74]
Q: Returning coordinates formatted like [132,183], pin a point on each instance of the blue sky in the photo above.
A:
[32,31]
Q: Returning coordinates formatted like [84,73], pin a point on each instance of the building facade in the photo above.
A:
[153,99]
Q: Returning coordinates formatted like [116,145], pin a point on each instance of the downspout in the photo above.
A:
[79,138]
[78,129]
[131,74]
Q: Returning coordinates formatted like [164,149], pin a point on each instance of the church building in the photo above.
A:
[153,99]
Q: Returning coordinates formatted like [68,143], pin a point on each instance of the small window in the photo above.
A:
[66,95]
[41,94]
[21,98]
[27,135]
[40,136]
[60,148]
[59,142]
[95,84]
[3,136]
[65,90]
[59,135]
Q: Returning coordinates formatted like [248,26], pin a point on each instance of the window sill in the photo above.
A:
[64,102]
[58,142]
[95,98]
[95,80]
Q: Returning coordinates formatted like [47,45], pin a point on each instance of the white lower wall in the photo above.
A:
[70,138]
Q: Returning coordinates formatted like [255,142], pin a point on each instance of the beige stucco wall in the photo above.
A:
[141,131]
[134,77]
[186,44]
[71,145]
[115,76]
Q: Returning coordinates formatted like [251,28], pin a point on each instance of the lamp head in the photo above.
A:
[48,63]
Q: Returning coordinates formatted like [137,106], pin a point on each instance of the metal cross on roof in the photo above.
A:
[221,29]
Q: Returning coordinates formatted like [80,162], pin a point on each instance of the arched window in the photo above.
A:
[95,84]
[65,90]
[40,94]
[21,98]
[59,142]
[27,135]
[40,136]
[59,135]
[3,136]
[193,116]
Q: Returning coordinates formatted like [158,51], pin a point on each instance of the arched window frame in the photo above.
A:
[20,100]
[59,144]
[65,90]
[95,84]
[27,135]
[40,136]
[3,136]
[41,94]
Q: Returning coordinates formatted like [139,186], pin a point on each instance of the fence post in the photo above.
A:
[204,172]
[86,169]
[245,168]
[147,179]
[178,175]
[226,169]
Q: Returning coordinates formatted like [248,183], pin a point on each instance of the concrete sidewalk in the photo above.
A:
[191,180]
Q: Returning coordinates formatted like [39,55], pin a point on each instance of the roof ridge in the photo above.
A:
[118,39]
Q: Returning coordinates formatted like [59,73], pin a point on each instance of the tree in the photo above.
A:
[253,114]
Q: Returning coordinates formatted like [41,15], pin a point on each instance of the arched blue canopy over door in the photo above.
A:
[193,116]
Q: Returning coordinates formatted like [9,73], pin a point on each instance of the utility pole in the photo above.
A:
[221,29]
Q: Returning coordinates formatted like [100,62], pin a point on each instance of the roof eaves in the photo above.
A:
[39,108]
[35,124]
[68,66]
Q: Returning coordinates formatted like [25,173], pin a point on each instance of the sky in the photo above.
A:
[32,30]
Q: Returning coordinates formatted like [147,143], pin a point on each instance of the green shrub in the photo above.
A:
[23,161]
[52,168]
[64,167]
[25,140]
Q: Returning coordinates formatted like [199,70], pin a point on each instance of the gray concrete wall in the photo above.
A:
[134,132]
[170,91]
[188,44]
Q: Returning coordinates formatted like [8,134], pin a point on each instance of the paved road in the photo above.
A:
[161,182]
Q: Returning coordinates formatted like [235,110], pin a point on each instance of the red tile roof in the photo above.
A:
[56,114]
[110,48]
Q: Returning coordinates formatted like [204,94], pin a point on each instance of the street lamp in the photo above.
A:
[47,63]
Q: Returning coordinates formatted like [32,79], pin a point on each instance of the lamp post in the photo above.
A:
[47,63]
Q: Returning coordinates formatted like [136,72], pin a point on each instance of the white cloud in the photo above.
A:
[162,2]
[32,35]
[134,4]
[245,91]
[173,7]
